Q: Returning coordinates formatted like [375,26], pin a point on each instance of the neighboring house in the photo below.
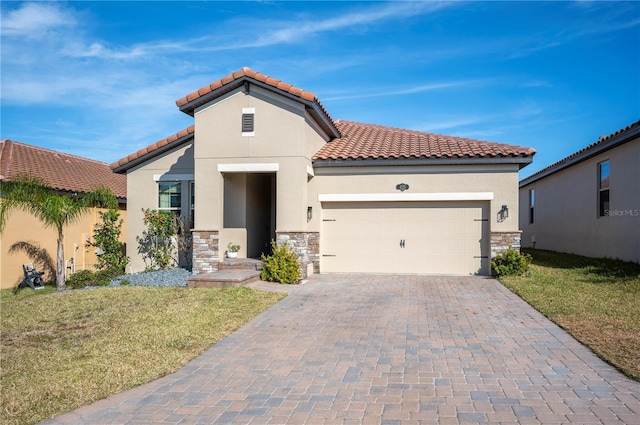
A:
[264,160]
[68,174]
[589,202]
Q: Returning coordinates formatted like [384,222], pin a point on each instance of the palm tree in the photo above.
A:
[52,208]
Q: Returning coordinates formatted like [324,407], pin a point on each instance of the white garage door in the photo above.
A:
[405,237]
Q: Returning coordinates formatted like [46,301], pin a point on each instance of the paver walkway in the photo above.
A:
[386,349]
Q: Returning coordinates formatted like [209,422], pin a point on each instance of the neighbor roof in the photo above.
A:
[624,135]
[247,76]
[376,142]
[59,170]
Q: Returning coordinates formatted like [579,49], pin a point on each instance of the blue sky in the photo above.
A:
[100,79]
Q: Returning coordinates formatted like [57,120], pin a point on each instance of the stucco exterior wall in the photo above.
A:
[142,188]
[566,208]
[23,227]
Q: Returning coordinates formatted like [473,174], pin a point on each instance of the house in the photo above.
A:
[587,203]
[264,160]
[69,174]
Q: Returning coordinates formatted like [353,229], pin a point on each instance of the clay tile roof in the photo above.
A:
[370,141]
[249,73]
[166,143]
[59,170]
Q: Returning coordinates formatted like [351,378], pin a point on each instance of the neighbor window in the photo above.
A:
[247,121]
[531,204]
[603,189]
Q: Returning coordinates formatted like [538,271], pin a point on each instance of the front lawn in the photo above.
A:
[62,350]
[595,300]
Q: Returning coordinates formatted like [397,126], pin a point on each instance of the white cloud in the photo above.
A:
[297,31]
[36,20]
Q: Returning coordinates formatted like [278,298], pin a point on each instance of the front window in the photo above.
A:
[603,189]
[179,198]
[170,197]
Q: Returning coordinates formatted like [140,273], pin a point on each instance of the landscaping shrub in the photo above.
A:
[80,279]
[510,263]
[106,237]
[282,266]
[83,278]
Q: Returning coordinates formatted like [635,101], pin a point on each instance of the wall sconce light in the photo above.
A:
[309,213]
[503,214]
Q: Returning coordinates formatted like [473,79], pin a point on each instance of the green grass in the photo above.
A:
[595,300]
[62,350]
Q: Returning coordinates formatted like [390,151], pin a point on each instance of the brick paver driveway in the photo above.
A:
[386,349]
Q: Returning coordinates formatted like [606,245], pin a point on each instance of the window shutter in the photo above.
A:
[247,123]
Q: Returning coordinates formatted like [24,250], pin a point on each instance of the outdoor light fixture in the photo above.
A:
[503,214]
[309,213]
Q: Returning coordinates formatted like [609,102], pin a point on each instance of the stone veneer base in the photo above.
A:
[501,241]
[206,251]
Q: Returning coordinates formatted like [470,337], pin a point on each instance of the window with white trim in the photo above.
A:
[172,197]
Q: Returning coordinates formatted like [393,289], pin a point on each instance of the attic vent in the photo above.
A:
[247,121]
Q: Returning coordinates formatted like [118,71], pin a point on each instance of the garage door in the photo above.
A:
[405,237]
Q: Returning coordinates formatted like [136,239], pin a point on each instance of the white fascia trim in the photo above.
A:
[310,171]
[249,168]
[377,197]
[172,177]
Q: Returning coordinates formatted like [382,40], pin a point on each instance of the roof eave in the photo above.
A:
[122,169]
[522,161]
[615,141]
[316,111]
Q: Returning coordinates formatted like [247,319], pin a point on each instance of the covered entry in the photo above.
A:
[249,211]
[405,237]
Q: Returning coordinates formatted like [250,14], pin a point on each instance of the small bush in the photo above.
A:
[510,263]
[80,279]
[282,266]
[84,278]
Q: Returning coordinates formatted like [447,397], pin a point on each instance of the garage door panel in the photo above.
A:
[439,237]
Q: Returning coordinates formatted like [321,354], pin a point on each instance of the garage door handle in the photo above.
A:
[401,243]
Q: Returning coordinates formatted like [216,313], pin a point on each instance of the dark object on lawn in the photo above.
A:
[32,277]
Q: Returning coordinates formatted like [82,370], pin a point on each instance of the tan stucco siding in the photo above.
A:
[566,217]
[23,227]
[142,187]
[279,125]
[500,180]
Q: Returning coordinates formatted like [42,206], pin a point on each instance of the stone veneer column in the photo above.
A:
[206,251]
[306,245]
[501,241]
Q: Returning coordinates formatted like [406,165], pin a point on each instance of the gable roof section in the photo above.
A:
[237,79]
[59,170]
[364,144]
[153,150]
[604,144]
